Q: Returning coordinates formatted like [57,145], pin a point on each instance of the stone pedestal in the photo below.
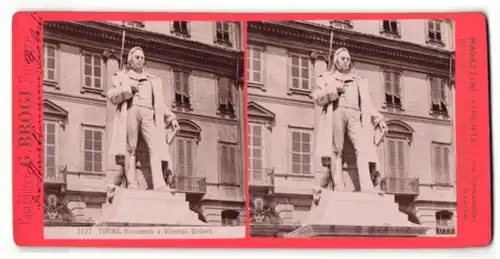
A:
[131,207]
[357,214]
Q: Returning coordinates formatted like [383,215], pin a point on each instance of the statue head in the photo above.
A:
[136,59]
[342,60]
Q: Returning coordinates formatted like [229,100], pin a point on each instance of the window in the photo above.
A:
[256,152]
[342,24]
[254,58]
[227,163]
[230,218]
[444,223]
[135,24]
[392,88]
[50,145]
[223,32]
[226,98]
[185,154]
[185,151]
[438,96]
[299,65]
[49,62]
[92,73]
[182,89]
[390,27]
[301,151]
[180,28]
[396,157]
[434,33]
[93,150]
[441,164]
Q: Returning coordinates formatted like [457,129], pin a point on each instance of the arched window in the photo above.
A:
[397,144]
[185,150]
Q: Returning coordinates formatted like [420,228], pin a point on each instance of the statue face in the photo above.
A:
[137,60]
[343,61]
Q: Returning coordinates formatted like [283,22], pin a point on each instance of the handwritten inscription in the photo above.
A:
[28,121]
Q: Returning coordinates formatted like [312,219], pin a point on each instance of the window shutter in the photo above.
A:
[252,149]
[224,163]
[49,62]
[233,177]
[443,92]
[446,166]
[437,164]
[223,91]
[186,84]
[250,58]
[177,82]
[394,26]
[97,71]
[188,27]
[232,32]
[172,26]
[438,31]
[386,25]
[306,153]
[189,157]
[98,144]
[430,30]
[392,157]
[435,91]
[397,87]
[305,73]
[295,71]
[181,158]
[230,92]
[215,29]
[401,159]
[295,153]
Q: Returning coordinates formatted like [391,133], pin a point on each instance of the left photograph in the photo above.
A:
[143,129]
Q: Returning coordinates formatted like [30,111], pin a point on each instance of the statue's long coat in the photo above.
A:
[370,117]
[119,93]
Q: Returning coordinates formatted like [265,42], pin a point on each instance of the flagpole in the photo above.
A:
[329,65]
[123,45]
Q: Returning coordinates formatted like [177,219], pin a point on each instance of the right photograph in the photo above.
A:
[351,128]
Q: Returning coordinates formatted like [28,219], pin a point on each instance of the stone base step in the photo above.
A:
[147,207]
[356,208]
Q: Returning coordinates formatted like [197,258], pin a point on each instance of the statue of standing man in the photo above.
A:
[346,108]
[141,110]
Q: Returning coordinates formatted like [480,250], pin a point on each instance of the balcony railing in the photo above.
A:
[395,185]
[190,184]
[445,230]
[262,177]
[54,174]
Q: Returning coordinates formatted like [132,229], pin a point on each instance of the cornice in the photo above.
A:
[164,48]
[75,98]
[312,37]
[280,100]
[206,118]
[310,105]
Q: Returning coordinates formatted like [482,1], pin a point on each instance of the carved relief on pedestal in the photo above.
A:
[262,211]
[56,209]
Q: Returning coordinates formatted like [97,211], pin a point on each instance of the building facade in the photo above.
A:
[409,66]
[200,65]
